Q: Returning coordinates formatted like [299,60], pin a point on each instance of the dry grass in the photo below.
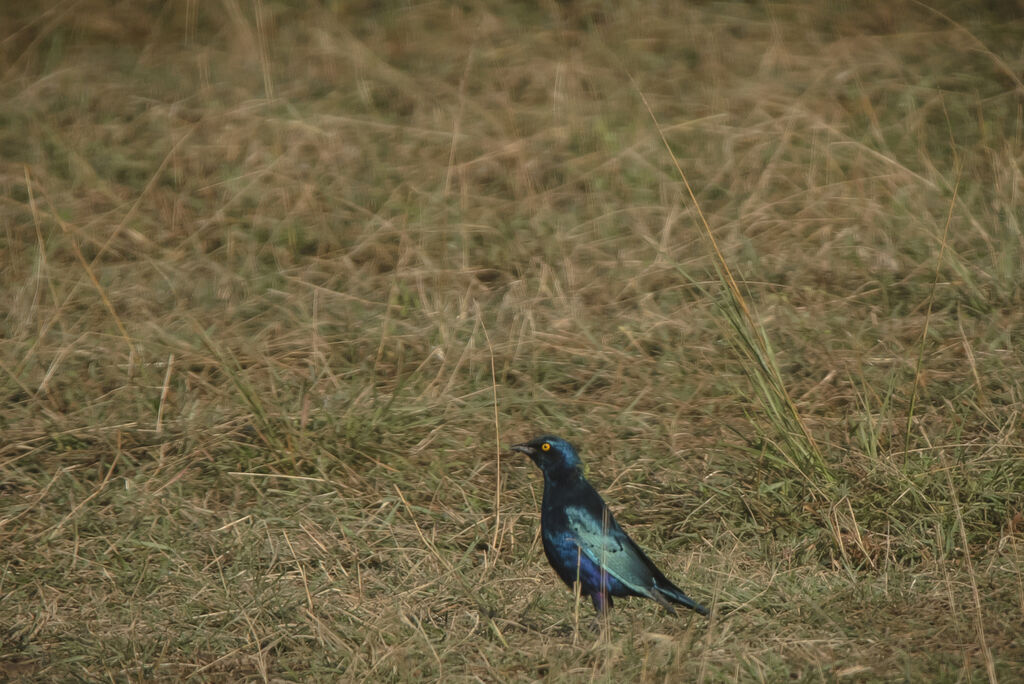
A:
[280,285]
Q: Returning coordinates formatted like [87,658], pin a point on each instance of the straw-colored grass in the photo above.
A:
[281,285]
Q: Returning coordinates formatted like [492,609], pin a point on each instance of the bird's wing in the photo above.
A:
[604,542]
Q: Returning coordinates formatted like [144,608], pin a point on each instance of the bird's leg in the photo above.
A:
[602,602]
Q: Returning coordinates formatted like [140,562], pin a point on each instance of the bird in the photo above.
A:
[582,541]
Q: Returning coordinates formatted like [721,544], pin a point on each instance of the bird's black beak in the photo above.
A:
[528,450]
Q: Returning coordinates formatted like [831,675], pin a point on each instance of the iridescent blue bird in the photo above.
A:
[582,540]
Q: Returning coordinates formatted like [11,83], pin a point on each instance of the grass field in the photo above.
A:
[281,284]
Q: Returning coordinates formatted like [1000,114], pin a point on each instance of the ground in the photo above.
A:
[283,281]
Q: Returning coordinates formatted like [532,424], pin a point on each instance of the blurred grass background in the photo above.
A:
[282,281]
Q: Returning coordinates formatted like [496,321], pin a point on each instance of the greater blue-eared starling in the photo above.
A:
[582,540]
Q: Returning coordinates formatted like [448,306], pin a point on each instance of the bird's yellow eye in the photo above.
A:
[546,446]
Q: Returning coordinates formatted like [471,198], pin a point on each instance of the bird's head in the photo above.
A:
[553,455]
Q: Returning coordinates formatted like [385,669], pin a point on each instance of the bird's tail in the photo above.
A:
[676,595]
